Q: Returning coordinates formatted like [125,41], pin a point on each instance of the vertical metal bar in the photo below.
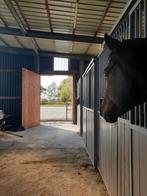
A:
[140,20]
[127,28]
[81,106]
[131,163]
[145,114]
[140,115]
[129,116]
[135,24]
[96,119]
[137,115]
[132,116]
[145,18]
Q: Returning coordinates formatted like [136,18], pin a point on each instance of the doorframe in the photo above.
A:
[74,103]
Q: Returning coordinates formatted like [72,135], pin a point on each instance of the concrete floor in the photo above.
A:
[49,160]
[46,136]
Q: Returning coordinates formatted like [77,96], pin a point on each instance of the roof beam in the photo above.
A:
[19,42]
[21,12]
[48,15]
[19,21]
[3,21]
[49,19]
[15,15]
[5,43]
[52,35]
[75,19]
[5,24]
[33,41]
[103,17]
[13,50]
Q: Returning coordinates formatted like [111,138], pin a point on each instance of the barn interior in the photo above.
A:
[32,34]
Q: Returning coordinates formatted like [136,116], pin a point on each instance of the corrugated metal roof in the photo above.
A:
[77,17]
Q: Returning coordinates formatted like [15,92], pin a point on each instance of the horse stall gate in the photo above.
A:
[118,149]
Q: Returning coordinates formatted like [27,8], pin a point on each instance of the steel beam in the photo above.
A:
[75,19]
[2,40]
[103,17]
[51,35]
[15,15]
[48,14]
[18,51]
[19,21]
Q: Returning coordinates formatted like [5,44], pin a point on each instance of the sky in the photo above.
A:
[47,80]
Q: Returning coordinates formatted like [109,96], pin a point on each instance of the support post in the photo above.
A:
[96,119]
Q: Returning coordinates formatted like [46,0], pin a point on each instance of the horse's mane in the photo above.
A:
[135,43]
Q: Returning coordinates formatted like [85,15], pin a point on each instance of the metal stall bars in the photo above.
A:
[78,104]
[121,146]
[89,110]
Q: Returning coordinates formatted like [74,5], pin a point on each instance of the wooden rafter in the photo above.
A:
[5,24]
[3,21]
[20,43]
[87,48]
[21,12]
[48,14]
[49,20]
[2,40]
[33,41]
[75,19]
[103,17]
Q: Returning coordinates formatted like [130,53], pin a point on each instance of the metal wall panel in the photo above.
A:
[124,159]
[90,134]
[12,107]
[130,164]
[74,65]
[84,125]
[108,155]
[46,64]
[10,84]
[16,61]
[139,141]
[78,115]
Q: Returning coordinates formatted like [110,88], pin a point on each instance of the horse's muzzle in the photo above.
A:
[108,110]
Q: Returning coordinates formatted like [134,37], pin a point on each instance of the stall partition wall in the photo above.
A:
[126,138]
[120,147]
[88,109]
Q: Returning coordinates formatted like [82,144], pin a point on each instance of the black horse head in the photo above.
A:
[126,75]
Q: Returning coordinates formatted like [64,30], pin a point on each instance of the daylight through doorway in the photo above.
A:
[56,98]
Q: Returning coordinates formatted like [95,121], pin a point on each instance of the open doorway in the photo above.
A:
[56,98]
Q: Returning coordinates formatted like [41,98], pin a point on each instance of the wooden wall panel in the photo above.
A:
[30,98]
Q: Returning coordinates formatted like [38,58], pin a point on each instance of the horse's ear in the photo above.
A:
[111,43]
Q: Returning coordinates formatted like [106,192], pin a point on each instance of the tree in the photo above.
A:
[43,91]
[52,91]
[65,90]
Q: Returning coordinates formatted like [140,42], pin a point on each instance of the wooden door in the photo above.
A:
[30,98]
